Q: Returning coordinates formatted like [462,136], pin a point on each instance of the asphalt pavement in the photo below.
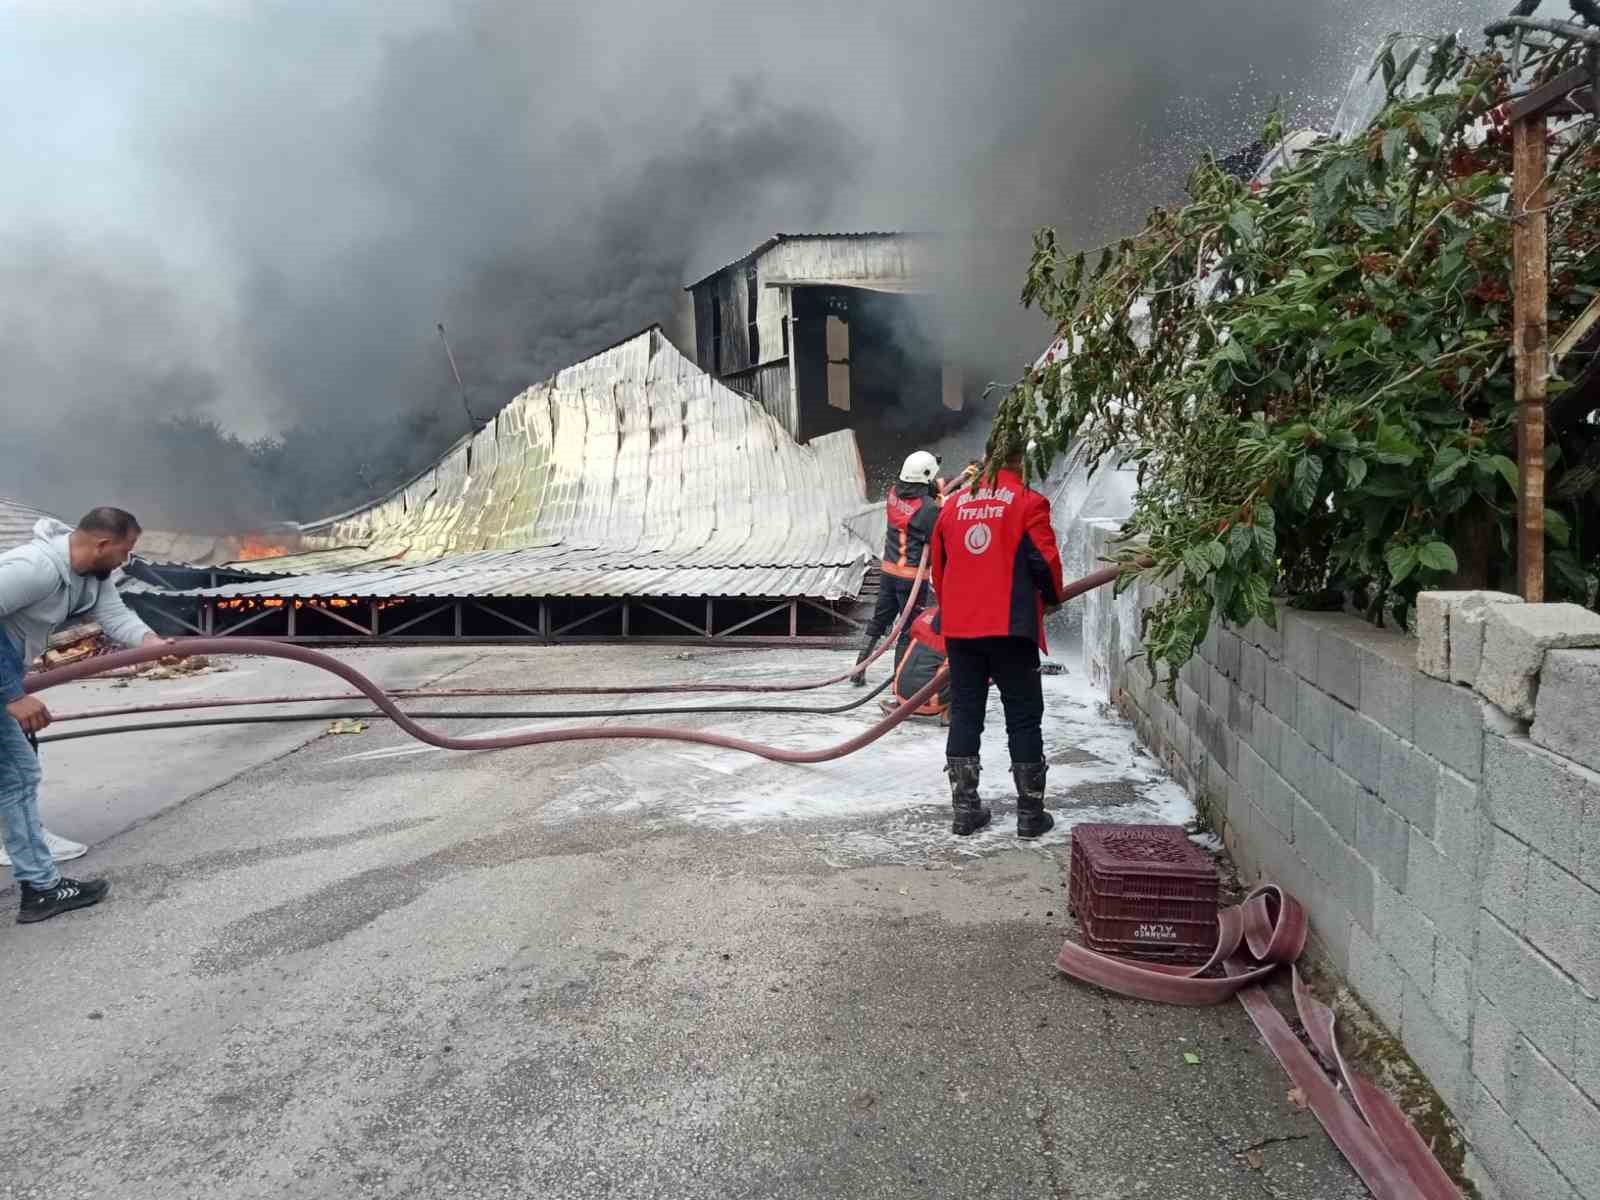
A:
[345,965]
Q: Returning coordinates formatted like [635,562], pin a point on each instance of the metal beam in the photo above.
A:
[343,620]
[648,607]
[594,616]
[499,616]
[834,613]
[776,608]
[233,629]
[432,612]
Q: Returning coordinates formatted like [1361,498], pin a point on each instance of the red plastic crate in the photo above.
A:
[1143,891]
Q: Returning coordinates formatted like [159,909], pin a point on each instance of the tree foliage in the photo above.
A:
[1315,374]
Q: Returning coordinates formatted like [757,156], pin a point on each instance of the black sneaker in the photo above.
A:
[40,904]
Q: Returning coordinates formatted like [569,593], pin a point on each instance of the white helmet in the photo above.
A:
[920,467]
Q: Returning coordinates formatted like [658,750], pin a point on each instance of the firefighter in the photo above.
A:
[911,507]
[996,570]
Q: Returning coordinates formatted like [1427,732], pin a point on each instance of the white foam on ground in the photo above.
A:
[899,777]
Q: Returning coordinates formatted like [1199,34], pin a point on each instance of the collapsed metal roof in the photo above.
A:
[17,521]
[632,473]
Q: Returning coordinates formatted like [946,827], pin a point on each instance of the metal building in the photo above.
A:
[630,495]
[834,331]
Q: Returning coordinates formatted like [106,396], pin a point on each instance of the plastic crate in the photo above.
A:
[1143,891]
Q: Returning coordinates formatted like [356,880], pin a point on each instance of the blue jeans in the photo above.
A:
[19,808]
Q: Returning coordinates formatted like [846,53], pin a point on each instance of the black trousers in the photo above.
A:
[1013,664]
[893,593]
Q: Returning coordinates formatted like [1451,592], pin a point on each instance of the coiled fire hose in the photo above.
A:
[1255,939]
[386,705]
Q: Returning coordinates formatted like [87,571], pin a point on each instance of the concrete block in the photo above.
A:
[1216,692]
[1268,638]
[1409,784]
[1330,926]
[1406,933]
[1444,1058]
[1388,677]
[1518,1166]
[1515,640]
[1253,672]
[1540,797]
[1237,808]
[1586,1072]
[1335,796]
[1188,703]
[1358,746]
[1564,922]
[1241,712]
[1314,716]
[1458,822]
[1383,838]
[1567,714]
[1314,840]
[1435,613]
[1282,691]
[1449,726]
[1228,654]
[1452,988]
[1358,886]
[1495,1046]
[1433,634]
[1218,783]
[1562,1121]
[1300,639]
[1267,736]
[1532,992]
[1446,893]
[1300,764]
[1506,863]
[1277,802]
[1376,978]
[1207,649]
[1339,666]
[1466,633]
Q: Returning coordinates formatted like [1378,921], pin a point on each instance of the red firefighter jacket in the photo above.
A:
[995,566]
[911,508]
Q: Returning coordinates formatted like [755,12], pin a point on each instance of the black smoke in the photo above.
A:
[228,234]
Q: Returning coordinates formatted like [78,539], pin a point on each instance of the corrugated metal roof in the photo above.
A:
[16,522]
[776,238]
[632,473]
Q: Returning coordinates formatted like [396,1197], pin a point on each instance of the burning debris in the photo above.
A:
[74,644]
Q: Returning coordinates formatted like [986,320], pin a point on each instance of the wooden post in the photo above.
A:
[1531,291]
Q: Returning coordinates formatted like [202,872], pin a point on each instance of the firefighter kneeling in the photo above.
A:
[996,569]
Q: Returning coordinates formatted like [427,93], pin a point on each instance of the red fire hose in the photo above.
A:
[270,649]
[1254,940]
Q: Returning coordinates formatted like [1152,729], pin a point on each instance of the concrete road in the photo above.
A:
[362,968]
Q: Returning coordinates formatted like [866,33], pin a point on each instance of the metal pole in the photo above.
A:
[472,421]
[1530,292]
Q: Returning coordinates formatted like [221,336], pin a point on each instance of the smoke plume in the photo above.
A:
[231,229]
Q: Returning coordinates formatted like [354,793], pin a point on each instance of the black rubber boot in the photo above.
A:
[970,813]
[1032,820]
[859,679]
[40,904]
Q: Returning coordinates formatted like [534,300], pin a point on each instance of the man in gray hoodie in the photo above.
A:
[62,575]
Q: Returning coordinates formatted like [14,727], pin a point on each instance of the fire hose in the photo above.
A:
[1254,940]
[385,704]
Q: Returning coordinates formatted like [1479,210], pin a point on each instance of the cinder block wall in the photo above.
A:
[1448,850]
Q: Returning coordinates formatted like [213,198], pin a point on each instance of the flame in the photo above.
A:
[249,603]
[253,547]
